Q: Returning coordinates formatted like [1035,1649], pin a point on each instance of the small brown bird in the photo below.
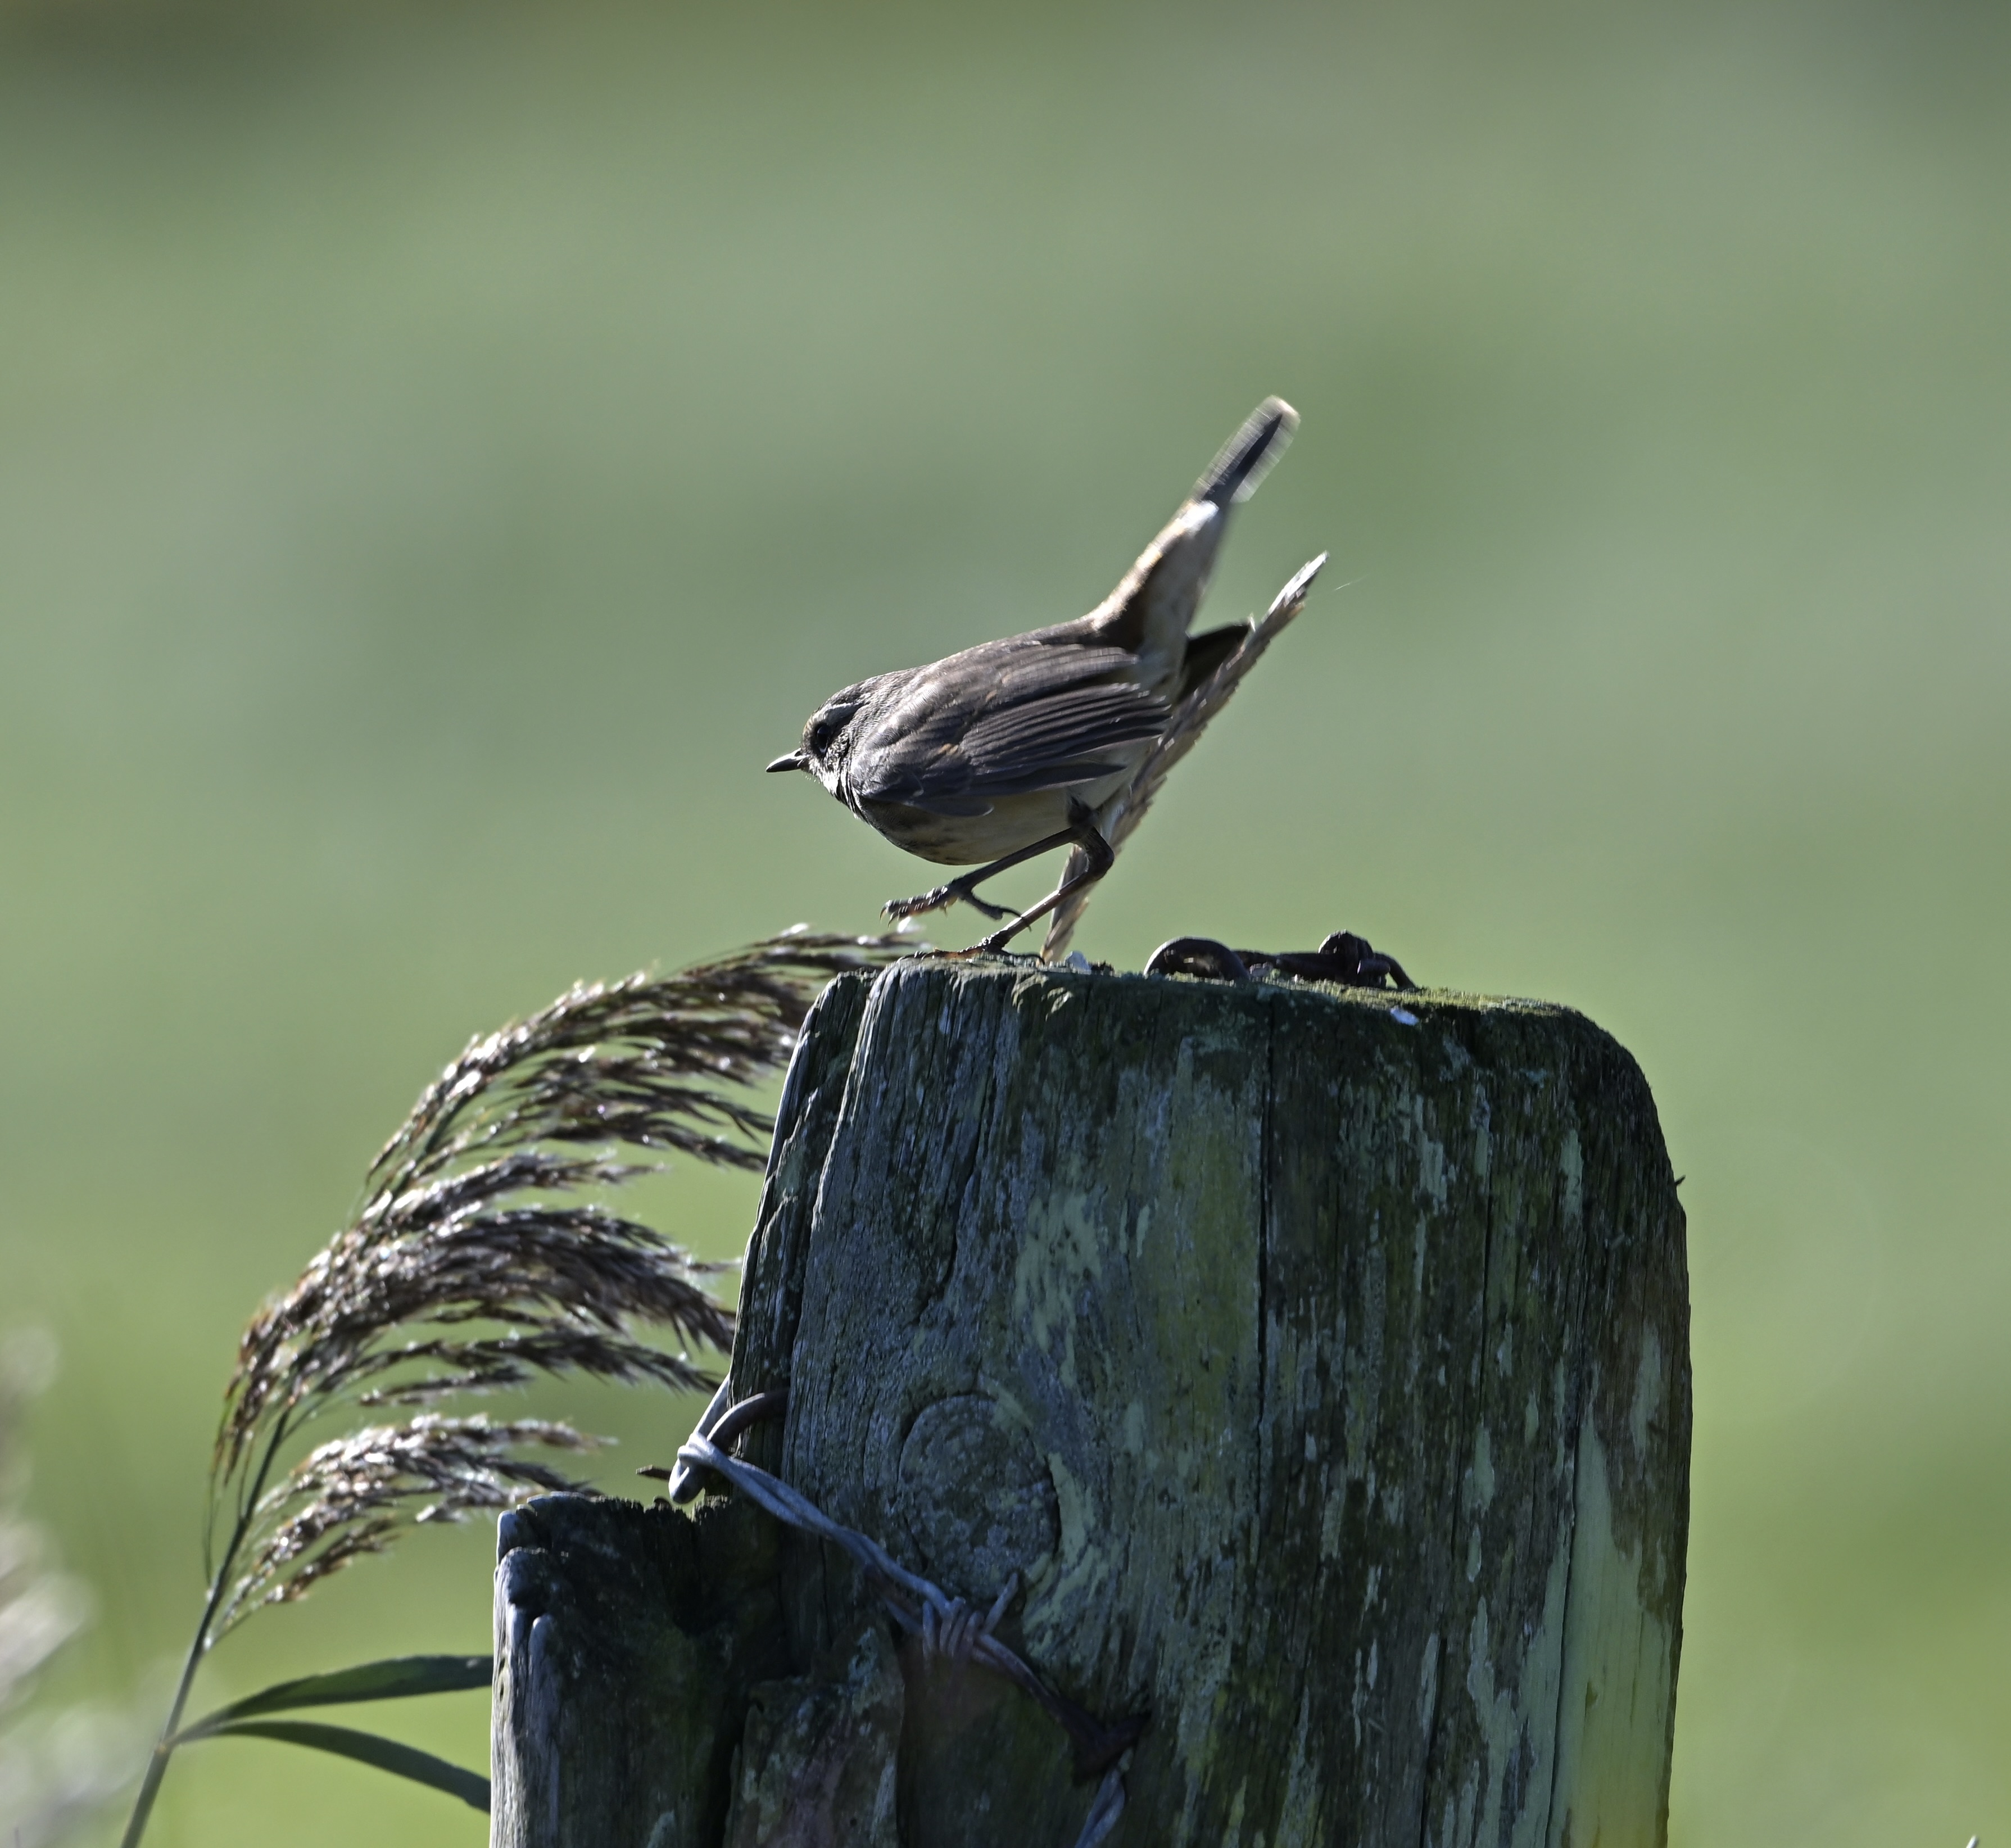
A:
[1016,747]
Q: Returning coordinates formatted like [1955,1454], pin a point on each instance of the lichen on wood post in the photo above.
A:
[628,1640]
[1320,1365]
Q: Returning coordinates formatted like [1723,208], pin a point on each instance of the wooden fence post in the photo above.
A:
[1317,1360]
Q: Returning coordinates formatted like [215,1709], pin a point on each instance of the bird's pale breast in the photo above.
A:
[1015,821]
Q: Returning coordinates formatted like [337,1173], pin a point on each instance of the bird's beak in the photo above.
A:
[794,760]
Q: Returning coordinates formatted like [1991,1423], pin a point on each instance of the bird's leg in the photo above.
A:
[963,889]
[1082,832]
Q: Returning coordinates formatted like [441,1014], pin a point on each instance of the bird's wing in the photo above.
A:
[1032,666]
[986,725]
[1064,738]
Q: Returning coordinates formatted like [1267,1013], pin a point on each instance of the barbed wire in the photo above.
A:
[949,1626]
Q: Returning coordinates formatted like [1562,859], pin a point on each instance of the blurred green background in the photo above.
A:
[445,451]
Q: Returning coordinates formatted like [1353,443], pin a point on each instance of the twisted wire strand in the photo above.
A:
[945,1623]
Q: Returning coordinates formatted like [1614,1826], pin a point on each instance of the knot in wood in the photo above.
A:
[976,1496]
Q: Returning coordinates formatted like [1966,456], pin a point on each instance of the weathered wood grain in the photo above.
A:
[1325,1375]
[628,1640]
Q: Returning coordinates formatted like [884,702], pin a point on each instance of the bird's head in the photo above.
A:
[827,737]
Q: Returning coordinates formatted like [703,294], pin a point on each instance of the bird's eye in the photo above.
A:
[819,735]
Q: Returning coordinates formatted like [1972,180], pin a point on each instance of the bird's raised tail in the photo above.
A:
[1220,670]
[1246,457]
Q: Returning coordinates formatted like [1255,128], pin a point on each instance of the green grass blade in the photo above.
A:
[392,1679]
[368,1748]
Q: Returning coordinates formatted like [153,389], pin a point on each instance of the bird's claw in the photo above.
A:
[943,897]
[920,905]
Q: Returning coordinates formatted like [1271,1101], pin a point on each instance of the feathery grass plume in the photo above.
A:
[466,1225]
[1182,733]
[348,1498]
[474,1264]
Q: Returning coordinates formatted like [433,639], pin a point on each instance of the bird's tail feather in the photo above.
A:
[1121,813]
[1246,457]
